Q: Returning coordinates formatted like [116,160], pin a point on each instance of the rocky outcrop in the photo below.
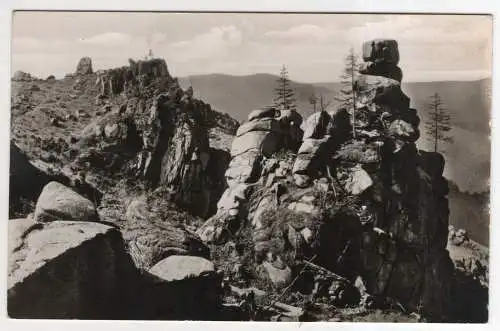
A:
[21,76]
[267,132]
[381,58]
[364,203]
[154,131]
[67,269]
[84,66]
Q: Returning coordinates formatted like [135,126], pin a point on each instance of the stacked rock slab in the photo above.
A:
[369,206]
[406,189]
[267,131]
[381,58]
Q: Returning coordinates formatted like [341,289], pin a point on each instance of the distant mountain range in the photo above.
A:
[468,102]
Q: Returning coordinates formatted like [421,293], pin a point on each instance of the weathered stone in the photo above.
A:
[21,76]
[403,130]
[280,277]
[381,50]
[264,205]
[67,269]
[383,69]
[243,167]
[316,125]
[380,90]
[301,180]
[302,207]
[179,267]
[355,180]
[270,112]
[84,66]
[238,174]
[291,117]
[214,230]
[312,156]
[112,130]
[184,287]
[262,124]
[58,202]
[233,196]
[359,152]
[265,142]
[313,147]
[340,128]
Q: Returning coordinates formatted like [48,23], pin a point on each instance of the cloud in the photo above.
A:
[107,39]
[304,32]
[426,29]
[216,42]
[158,38]
[28,44]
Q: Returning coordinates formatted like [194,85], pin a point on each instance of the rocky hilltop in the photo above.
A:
[335,217]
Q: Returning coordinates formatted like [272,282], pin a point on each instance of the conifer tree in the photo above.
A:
[348,77]
[284,94]
[438,125]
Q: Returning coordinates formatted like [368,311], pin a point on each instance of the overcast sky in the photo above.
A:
[432,47]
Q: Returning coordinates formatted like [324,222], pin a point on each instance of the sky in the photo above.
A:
[312,46]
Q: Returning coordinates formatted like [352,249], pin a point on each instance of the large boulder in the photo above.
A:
[355,180]
[183,287]
[84,66]
[243,167]
[263,124]
[383,69]
[68,269]
[266,143]
[316,125]
[21,76]
[374,90]
[58,202]
[179,267]
[269,112]
[403,130]
[312,156]
[381,50]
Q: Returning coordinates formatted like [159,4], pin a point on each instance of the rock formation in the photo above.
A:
[20,76]
[155,130]
[341,206]
[267,132]
[371,208]
[84,66]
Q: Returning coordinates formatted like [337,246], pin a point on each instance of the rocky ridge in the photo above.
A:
[329,218]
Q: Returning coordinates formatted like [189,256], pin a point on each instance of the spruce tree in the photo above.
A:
[438,125]
[284,94]
[347,98]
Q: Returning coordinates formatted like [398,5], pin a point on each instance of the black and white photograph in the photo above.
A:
[249,166]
